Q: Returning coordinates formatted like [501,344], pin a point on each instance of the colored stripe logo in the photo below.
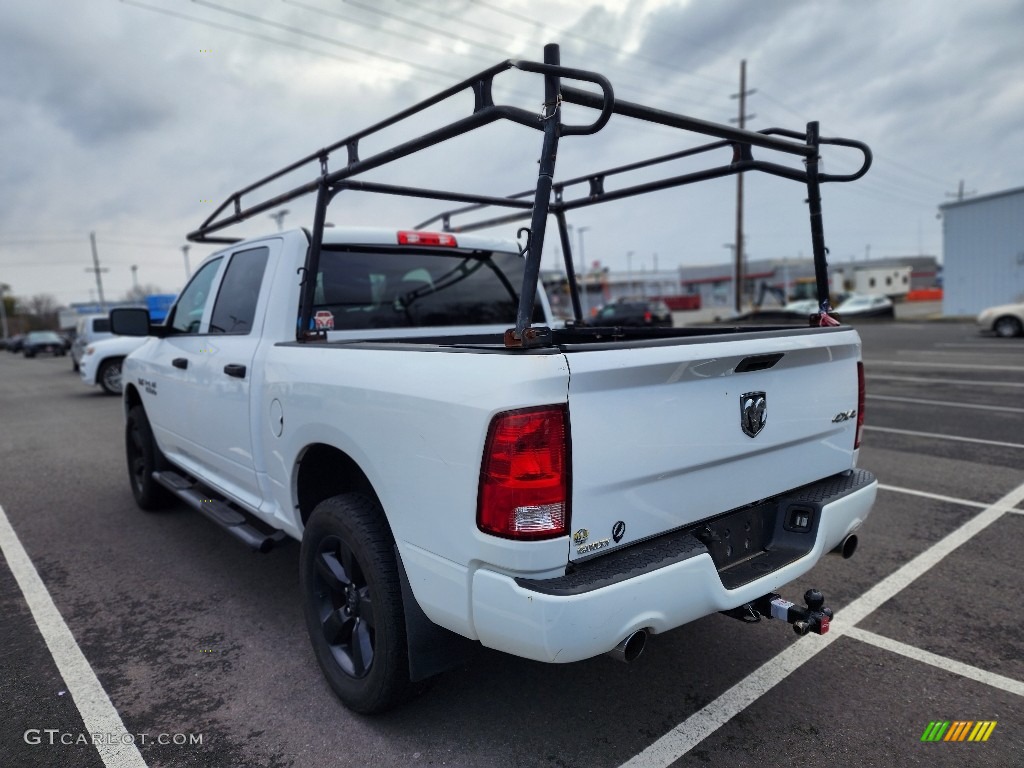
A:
[958,730]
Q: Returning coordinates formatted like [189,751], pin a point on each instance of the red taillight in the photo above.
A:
[524,486]
[647,317]
[860,404]
[427,238]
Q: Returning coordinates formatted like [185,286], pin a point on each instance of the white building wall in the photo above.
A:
[983,252]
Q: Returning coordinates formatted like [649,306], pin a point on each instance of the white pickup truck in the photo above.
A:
[457,466]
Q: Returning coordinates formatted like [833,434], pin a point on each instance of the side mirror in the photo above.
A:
[130,321]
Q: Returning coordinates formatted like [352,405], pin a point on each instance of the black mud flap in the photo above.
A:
[432,649]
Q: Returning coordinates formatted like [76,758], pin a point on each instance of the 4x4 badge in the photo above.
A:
[753,412]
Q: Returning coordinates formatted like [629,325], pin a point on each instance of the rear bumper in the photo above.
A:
[658,586]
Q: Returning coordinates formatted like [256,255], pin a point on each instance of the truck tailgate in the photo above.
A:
[658,438]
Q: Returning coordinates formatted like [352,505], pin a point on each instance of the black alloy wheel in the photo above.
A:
[352,600]
[109,376]
[345,607]
[144,458]
[1007,327]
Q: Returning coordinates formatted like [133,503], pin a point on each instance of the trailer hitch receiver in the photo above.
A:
[813,618]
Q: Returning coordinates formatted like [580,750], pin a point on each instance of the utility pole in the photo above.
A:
[188,270]
[95,268]
[135,277]
[960,194]
[583,271]
[741,120]
[3,310]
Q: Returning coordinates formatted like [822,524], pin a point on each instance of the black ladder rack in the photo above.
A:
[548,197]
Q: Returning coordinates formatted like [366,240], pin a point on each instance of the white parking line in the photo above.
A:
[969,345]
[929,380]
[868,364]
[948,499]
[706,721]
[934,436]
[942,662]
[98,713]
[947,404]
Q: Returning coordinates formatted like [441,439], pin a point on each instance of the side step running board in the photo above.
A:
[243,527]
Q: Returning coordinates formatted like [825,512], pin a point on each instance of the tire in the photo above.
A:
[352,600]
[109,376]
[1007,326]
[144,458]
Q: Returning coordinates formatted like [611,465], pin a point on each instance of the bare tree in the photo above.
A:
[42,311]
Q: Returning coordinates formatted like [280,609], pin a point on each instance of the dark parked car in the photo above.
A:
[38,342]
[14,343]
[639,312]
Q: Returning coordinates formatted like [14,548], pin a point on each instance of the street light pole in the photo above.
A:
[279,218]
[188,270]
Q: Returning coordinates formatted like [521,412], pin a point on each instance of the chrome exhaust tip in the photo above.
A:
[630,648]
[846,547]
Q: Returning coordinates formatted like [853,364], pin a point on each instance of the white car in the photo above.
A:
[101,361]
[1005,320]
[802,307]
[866,305]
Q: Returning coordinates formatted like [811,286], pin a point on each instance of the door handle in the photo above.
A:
[180,362]
[236,370]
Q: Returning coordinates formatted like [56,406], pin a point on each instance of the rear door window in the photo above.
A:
[239,291]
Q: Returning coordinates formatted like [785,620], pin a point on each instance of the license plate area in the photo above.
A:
[738,536]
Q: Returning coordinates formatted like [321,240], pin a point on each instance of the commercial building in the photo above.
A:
[983,252]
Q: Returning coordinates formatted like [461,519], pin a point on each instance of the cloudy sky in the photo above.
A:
[133,119]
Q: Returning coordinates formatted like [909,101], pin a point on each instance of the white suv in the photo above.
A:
[90,328]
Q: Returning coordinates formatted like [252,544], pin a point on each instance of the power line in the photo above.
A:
[569,33]
[445,33]
[459,19]
[258,36]
[328,40]
[395,17]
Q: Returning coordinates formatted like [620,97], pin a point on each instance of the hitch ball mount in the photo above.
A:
[814,618]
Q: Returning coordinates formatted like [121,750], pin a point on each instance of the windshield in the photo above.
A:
[388,288]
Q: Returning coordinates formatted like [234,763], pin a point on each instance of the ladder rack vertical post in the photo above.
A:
[551,115]
[817,227]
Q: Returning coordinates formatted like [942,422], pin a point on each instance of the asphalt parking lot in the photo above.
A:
[201,656]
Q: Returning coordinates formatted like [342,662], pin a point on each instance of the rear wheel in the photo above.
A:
[144,458]
[109,375]
[1007,326]
[352,600]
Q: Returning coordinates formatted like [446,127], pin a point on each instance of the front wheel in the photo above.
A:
[1007,326]
[144,458]
[352,600]
[109,376]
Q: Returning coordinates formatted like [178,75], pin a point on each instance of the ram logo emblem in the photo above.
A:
[753,412]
